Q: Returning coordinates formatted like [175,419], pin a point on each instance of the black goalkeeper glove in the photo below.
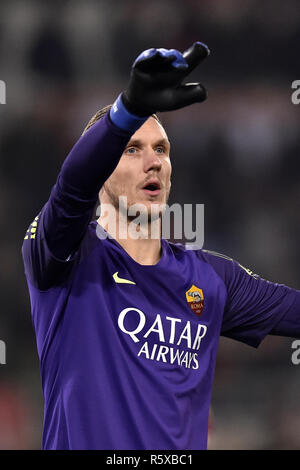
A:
[156,80]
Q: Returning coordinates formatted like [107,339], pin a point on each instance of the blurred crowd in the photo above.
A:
[238,154]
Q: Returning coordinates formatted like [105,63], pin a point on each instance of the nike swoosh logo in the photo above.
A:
[120,280]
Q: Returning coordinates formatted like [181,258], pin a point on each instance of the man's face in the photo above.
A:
[144,170]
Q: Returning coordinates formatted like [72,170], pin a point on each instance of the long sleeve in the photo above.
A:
[90,162]
[289,325]
[55,234]
[255,307]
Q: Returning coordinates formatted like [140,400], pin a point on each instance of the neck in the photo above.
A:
[141,242]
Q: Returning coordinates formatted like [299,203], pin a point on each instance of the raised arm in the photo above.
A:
[155,84]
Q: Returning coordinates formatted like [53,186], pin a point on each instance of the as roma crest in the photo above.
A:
[195,299]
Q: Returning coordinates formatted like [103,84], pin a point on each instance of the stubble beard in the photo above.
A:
[153,214]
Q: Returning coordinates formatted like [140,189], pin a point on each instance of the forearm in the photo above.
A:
[289,325]
[95,156]
[74,196]
[155,85]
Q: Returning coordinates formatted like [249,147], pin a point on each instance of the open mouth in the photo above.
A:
[152,188]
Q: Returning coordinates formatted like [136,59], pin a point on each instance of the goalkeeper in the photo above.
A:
[127,329]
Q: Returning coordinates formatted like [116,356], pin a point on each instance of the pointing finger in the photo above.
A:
[196,54]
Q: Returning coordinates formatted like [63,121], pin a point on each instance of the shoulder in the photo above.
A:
[217,261]
[207,256]
[227,268]
[91,240]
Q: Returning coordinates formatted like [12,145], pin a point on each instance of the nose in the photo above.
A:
[152,160]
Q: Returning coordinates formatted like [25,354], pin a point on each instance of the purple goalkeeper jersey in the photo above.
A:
[128,351]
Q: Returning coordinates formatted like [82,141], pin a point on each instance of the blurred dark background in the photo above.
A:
[238,154]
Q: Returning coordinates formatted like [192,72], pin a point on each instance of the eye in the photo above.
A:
[160,150]
[131,150]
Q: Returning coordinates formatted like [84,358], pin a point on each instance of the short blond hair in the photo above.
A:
[102,112]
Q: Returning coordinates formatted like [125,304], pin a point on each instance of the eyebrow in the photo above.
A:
[139,143]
